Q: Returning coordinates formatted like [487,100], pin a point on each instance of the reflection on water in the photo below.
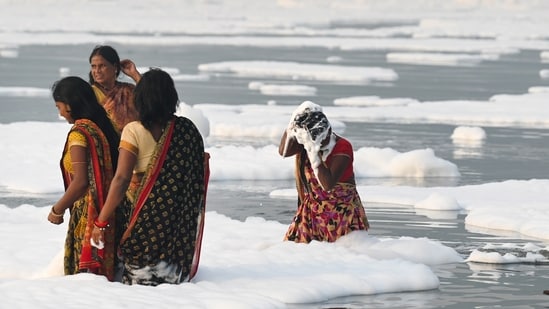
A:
[468,142]
[485,273]
[438,214]
[468,150]
[494,234]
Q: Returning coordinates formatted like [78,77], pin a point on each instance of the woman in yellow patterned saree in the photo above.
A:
[159,189]
[87,164]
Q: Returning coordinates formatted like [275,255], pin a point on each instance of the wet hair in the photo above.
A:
[79,96]
[109,54]
[156,98]
[315,122]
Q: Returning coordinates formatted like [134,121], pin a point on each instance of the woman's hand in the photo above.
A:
[97,235]
[54,217]
[129,68]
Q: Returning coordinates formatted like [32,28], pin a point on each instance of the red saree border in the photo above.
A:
[200,228]
[150,181]
[88,259]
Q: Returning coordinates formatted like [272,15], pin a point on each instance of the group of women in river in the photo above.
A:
[136,176]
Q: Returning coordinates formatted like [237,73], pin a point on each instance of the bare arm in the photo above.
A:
[117,190]
[330,175]
[77,187]
[289,146]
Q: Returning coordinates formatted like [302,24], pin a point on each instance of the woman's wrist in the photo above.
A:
[102,225]
[55,213]
[136,76]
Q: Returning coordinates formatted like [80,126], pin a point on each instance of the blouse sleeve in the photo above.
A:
[128,139]
[343,147]
[77,138]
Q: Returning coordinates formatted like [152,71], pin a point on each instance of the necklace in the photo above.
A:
[105,89]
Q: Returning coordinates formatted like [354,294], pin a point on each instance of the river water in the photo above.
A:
[508,153]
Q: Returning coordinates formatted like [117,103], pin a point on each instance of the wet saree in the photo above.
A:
[162,224]
[118,102]
[80,256]
[324,215]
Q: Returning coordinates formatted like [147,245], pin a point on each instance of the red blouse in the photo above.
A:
[343,147]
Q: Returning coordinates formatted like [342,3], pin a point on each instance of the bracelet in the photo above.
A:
[52,211]
[101,225]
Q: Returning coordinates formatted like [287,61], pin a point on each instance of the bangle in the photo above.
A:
[101,225]
[52,211]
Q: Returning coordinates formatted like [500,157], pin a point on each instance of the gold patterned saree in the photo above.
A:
[162,225]
[80,255]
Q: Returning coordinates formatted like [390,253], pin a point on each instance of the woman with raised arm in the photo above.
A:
[115,96]
[328,203]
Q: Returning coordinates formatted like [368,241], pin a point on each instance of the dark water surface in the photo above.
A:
[507,153]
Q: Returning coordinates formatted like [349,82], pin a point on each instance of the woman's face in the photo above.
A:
[103,72]
[64,111]
[326,140]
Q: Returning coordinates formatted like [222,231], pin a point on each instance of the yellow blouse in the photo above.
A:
[75,139]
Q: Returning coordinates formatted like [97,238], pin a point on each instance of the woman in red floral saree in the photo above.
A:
[328,203]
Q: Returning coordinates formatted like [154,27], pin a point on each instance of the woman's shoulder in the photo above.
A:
[184,121]
[342,140]
[76,137]
[85,128]
[126,85]
[342,145]
[85,124]
[134,126]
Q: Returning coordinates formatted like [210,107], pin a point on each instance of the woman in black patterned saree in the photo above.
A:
[159,186]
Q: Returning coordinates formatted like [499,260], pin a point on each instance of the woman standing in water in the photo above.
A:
[87,164]
[328,203]
[159,186]
[115,96]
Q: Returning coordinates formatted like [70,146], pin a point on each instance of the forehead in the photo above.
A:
[98,59]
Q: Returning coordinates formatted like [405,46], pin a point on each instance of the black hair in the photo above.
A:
[78,94]
[156,98]
[110,54]
[315,122]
